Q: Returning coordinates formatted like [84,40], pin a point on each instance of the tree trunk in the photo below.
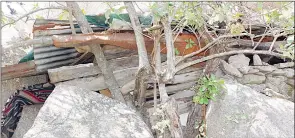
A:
[144,65]
[198,113]
[97,51]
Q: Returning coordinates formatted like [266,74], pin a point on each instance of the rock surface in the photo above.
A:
[29,114]
[239,61]
[241,112]
[289,73]
[80,113]
[265,69]
[284,65]
[252,79]
[256,60]
[229,69]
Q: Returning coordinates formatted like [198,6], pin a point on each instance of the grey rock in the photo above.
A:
[265,64]
[73,112]
[251,71]
[289,72]
[290,82]
[257,60]
[219,73]
[241,112]
[259,73]
[284,65]
[244,69]
[272,86]
[29,114]
[228,69]
[278,72]
[257,87]
[265,69]
[252,79]
[276,80]
[239,60]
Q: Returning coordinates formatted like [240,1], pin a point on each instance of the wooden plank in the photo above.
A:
[179,78]
[83,70]
[96,83]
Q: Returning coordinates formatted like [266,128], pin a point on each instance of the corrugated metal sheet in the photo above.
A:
[47,56]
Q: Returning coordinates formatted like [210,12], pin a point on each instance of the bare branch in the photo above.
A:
[263,52]
[25,15]
[71,21]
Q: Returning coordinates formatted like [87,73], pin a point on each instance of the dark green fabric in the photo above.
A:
[28,57]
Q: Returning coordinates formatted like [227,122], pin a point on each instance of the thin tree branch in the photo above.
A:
[25,15]
[262,52]
[71,21]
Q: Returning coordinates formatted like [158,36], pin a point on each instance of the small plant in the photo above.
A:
[207,88]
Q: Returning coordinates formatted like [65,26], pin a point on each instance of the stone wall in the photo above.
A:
[272,80]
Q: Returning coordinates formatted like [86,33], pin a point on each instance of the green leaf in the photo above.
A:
[35,6]
[62,15]
[259,6]
[107,15]
[201,101]
[39,17]
[176,51]
[196,99]
[238,15]
[203,88]
[205,101]
[83,11]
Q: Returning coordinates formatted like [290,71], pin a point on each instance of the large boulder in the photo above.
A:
[241,112]
[73,112]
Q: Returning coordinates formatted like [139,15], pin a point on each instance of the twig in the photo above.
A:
[71,22]
[262,52]
[275,39]
[25,15]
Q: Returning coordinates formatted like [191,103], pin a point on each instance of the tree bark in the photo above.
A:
[97,51]
[144,65]
[170,50]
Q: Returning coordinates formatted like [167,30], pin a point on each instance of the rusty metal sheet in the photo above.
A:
[126,40]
